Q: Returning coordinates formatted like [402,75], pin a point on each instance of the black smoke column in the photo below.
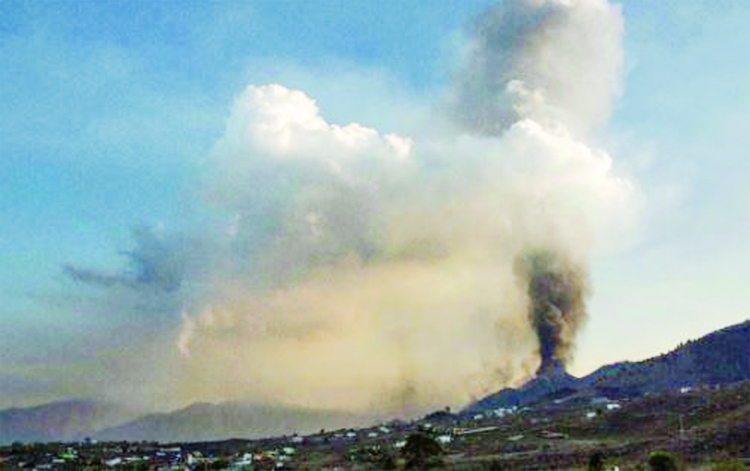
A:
[557,289]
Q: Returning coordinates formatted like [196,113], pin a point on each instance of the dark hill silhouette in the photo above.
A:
[548,382]
[721,357]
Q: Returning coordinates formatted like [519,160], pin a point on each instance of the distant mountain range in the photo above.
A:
[76,420]
[60,421]
[721,357]
[202,422]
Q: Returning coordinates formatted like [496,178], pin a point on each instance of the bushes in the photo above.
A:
[596,461]
[387,462]
[662,461]
[220,463]
[422,451]
[729,465]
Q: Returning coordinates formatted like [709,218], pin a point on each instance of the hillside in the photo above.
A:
[721,357]
[549,383]
[703,427]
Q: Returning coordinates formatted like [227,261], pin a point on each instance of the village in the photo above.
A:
[373,445]
[556,434]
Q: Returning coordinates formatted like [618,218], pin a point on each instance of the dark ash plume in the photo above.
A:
[557,290]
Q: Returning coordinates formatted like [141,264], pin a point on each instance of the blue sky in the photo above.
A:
[108,111]
[686,103]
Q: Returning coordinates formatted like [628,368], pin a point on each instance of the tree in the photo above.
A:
[662,461]
[422,451]
[387,462]
[220,463]
[596,461]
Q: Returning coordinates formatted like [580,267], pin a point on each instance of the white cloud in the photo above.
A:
[380,269]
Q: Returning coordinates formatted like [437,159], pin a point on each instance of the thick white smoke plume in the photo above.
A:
[377,271]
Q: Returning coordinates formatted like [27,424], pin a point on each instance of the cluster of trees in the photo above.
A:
[423,452]
[663,461]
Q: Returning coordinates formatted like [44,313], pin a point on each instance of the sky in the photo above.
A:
[156,192]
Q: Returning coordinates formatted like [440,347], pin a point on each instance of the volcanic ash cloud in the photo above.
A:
[381,272]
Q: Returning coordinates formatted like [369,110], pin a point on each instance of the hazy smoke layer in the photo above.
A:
[556,289]
[362,270]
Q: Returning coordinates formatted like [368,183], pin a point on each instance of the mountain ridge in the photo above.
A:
[226,420]
[68,419]
[720,357]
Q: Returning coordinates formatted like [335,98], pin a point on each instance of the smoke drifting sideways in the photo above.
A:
[153,264]
[378,272]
